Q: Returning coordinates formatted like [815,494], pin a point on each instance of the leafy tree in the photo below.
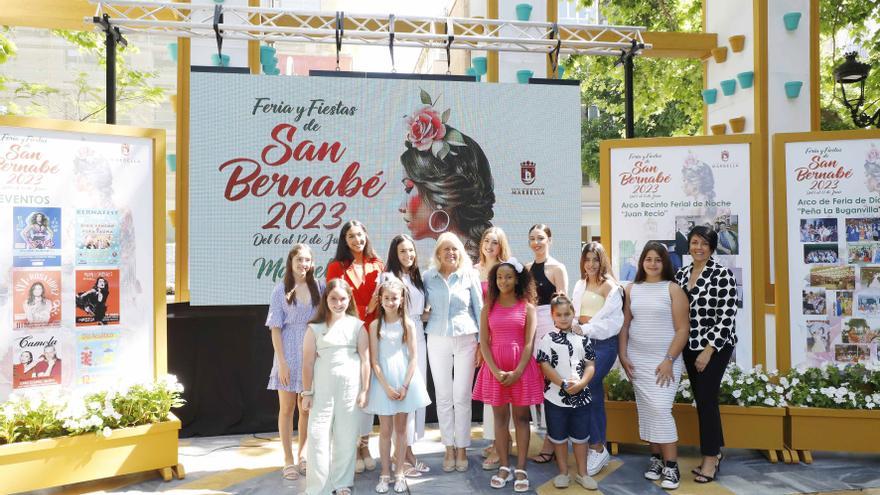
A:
[845,23]
[83,100]
[7,49]
[666,91]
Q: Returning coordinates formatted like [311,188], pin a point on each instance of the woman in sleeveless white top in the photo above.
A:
[654,333]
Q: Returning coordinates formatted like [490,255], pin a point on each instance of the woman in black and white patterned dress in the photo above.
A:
[655,330]
[711,292]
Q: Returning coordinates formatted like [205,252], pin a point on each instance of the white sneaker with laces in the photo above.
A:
[596,461]
[655,470]
[671,478]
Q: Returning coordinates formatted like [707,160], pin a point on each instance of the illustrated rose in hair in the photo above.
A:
[425,127]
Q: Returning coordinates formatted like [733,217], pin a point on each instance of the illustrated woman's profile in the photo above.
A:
[448,184]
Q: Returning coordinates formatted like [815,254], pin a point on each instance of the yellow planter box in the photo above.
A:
[52,462]
[758,428]
[843,430]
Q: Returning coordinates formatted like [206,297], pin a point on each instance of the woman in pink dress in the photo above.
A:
[510,377]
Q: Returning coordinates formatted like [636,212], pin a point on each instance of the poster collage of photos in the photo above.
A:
[698,185]
[71,295]
[841,301]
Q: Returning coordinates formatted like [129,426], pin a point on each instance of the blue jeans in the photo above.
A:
[606,354]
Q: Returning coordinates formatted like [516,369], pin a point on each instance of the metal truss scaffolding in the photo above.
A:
[185,20]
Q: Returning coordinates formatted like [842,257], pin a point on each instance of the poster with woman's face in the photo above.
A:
[36,298]
[37,235]
[40,360]
[97,297]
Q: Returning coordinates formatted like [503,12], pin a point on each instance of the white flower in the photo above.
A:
[779,389]
[686,394]
[106,432]
[736,394]
[870,405]
[795,381]
[760,393]
[751,398]
[749,381]
[769,387]
[770,402]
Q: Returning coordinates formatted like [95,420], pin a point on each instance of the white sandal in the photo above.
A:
[343,491]
[400,484]
[382,486]
[289,472]
[499,482]
[522,485]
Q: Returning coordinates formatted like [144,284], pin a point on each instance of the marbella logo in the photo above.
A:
[725,156]
[527,172]
[527,175]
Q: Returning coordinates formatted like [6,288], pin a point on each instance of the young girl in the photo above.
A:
[357,264]
[494,249]
[509,375]
[655,330]
[397,388]
[567,362]
[403,265]
[551,278]
[334,348]
[598,304]
[291,307]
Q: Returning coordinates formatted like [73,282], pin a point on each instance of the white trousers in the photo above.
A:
[452,367]
[415,421]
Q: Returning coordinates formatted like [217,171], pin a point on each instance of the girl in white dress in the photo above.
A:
[655,330]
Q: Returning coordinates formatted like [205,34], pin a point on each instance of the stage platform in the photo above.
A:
[251,464]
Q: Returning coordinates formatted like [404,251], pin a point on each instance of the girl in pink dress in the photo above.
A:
[510,377]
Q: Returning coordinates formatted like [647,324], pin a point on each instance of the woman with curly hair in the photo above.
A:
[448,183]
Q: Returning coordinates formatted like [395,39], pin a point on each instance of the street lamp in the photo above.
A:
[849,73]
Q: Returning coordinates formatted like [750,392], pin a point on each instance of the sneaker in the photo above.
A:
[596,461]
[655,471]
[671,478]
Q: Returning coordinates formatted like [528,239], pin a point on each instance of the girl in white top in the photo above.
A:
[402,264]
[494,249]
[598,303]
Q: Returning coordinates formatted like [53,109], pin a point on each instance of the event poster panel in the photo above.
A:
[280,160]
[834,250]
[76,213]
[659,193]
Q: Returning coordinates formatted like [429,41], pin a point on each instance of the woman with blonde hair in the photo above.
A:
[454,303]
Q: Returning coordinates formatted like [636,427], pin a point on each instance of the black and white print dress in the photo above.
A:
[713,306]
[567,353]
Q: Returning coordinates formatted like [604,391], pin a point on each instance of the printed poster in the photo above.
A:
[97,237]
[36,298]
[39,360]
[833,191]
[96,353]
[97,297]
[660,193]
[36,236]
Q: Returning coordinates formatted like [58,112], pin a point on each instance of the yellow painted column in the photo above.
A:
[254,46]
[181,247]
[492,56]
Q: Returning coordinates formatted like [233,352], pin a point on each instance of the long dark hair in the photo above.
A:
[402,311]
[323,311]
[667,274]
[30,299]
[290,281]
[343,253]
[525,286]
[604,265]
[460,183]
[105,291]
[392,263]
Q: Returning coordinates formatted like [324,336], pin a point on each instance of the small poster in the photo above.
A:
[96,353]
[97,297]
[97,237]
[36,298]
[36,236]
[37,361]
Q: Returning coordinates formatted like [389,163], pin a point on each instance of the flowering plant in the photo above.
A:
[753,387]
[853,386]
[25,418]
[427,129]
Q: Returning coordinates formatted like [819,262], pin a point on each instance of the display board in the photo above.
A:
[658,189]
[276,161]
[829,184]
[80,304]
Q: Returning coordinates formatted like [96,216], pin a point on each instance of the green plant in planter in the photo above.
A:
[25,418]
[852,386]
[618,386]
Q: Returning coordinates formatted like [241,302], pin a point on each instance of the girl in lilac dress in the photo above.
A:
[292,305]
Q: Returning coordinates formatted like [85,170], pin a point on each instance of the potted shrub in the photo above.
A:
[835,407]
[58,438]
